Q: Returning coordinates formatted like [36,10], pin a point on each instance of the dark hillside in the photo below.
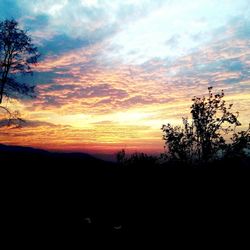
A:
[55,193]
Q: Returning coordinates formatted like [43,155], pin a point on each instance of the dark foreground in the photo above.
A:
[56,196]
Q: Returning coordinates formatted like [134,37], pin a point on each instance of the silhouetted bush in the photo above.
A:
[139,160]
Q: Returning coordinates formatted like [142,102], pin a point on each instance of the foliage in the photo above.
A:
[203,138]
[240,145]
[17,55]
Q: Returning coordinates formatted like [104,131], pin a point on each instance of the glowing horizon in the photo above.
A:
[112,72]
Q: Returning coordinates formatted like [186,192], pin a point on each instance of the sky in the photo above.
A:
[111,72]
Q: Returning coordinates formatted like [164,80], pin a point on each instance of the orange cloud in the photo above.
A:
[103,107]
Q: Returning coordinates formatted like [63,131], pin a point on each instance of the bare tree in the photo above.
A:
[17,55]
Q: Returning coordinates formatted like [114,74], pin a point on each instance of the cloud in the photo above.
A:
[4,123]
[84,83]
[60,44]
[115,71]
[173,41]
[85,140]
[193,23]
[55,96]
[92,21]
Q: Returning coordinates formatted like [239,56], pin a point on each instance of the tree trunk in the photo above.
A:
[1,90]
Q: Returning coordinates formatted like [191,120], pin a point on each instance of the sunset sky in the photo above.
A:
[113,71]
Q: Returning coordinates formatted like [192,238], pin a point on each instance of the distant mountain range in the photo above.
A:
[77,155]
[6,151]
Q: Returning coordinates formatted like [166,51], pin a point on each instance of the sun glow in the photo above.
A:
[113,72]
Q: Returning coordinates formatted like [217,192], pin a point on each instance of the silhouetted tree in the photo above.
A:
[138,160]
[17,55]
[12,119]
[203,139]
[121,157]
